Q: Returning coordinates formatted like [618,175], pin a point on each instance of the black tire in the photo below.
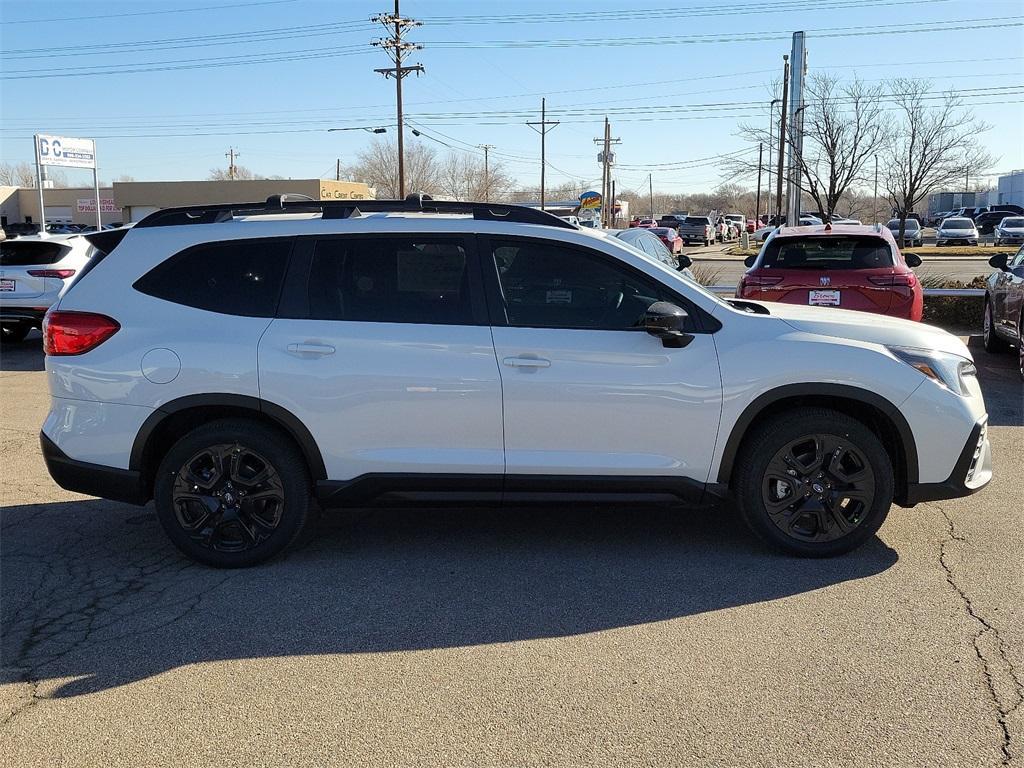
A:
[824,517]
[1020,347]
[12,333]
[239,532]
[990,340]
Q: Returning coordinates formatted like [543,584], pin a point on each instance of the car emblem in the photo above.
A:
[826,280]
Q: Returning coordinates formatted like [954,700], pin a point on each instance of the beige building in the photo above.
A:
[134,200]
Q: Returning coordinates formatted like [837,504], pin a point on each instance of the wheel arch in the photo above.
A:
[870,408]
[177,417]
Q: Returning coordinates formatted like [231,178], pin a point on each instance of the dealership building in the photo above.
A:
[131,201]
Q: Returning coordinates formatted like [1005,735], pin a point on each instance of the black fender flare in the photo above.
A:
[839,391]
[282,417]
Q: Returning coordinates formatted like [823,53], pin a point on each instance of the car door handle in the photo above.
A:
[527,362]
[311,349]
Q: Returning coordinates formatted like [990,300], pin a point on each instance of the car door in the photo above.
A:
[382,349]
[586,392]
[1013,295]
[1000,288]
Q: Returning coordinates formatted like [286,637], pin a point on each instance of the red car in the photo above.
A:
[849,267]
[669,237]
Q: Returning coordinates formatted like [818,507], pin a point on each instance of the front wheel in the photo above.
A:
[233,493]
[813,483]
[990,341]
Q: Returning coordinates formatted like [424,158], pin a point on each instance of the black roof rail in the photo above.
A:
[344,209]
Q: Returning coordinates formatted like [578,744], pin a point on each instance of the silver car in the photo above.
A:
[1010,230]
[911,230]
[956,231]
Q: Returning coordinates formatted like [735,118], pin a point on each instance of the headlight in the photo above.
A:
[947,370]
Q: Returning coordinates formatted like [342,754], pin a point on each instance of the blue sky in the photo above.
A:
[308,66]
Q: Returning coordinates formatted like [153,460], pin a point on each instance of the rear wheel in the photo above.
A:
[233,493]
[813,483]
[11,333]
[1020,346]
[992,343]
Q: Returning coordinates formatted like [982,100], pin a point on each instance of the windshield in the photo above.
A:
[661,231]
[827,252]
[894,225]
[698,220]
[958,224]
[1014,222]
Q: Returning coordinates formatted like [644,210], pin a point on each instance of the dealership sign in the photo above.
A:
[65,151]
[88,205]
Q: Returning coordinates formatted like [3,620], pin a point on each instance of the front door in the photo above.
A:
[587,393]
[382,349]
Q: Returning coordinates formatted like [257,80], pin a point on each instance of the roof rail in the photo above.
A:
[344,209]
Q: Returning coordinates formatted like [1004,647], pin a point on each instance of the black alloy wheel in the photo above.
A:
[234,493]
[817,488]
[813,482]
[228,498]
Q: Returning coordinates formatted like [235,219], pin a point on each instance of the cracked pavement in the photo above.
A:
[497,638]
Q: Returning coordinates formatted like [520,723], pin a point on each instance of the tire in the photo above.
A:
[1020,347]
[813,525]
[237,532]
[12,333]
[990,340]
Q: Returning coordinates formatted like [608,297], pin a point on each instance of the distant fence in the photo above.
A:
[730,290]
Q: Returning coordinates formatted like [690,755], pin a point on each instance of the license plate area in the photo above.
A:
[824,298]
[7,286]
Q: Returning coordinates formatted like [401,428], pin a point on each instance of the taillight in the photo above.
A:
[762,280]
[63,274]
[907,281]
[72,333]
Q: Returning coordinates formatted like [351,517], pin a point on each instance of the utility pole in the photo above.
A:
[798,71]
[771,146]
[650,191]
[874,203]
[757,205]
[487,170]
[396,48]
[782,137]
[337,172]
[542,129]
[605,158]
[231,155]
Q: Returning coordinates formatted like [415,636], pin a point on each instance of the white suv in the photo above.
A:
[243,365]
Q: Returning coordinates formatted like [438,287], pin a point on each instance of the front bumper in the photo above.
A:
[956,241]
[973,471]
[92,479]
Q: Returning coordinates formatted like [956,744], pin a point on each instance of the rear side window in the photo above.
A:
[698,220]
[827,253]
[391,280]
[27,253]
[241,277]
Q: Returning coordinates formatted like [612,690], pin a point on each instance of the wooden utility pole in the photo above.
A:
[607,203]
[650,192]
[396,48]
[542,128]
[757,205]
[231,155]
[487,170]
[337,172]
[782,138]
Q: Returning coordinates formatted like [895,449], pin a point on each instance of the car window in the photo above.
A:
[698,220]
[241,277]
[546,285]
[828,252]
[1015,222]
[1018,260]
[390,280]
[958,224]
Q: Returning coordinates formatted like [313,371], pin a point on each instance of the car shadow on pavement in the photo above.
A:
[24,355]
[92,590]
[1000,384]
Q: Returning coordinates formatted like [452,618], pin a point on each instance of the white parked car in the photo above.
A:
[238,363]
[956,231]
[34,273]
[1010,230]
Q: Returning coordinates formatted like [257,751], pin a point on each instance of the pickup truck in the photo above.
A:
[671,220]
[696,229]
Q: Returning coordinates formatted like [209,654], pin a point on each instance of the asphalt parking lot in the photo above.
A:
[505,638]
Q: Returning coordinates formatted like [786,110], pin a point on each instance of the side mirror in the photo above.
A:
[999,262]
[912,259]
[684,261]
[668,322]
[749,261]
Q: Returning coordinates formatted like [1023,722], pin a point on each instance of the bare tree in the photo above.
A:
[377,166]
[933,146]
[241,172]
[844,128]
[24,175]
[462,177]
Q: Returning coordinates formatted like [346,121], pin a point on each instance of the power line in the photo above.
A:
[47,19]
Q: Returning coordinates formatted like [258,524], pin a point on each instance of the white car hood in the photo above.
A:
[867,327]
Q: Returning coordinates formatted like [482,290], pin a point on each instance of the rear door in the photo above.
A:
[586,392]
[18,259]
[382,349]
[1011,297]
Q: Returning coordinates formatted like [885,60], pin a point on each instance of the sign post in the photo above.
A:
[69,153]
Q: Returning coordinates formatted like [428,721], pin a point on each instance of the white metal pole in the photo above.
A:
[96,184]
[39,182]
